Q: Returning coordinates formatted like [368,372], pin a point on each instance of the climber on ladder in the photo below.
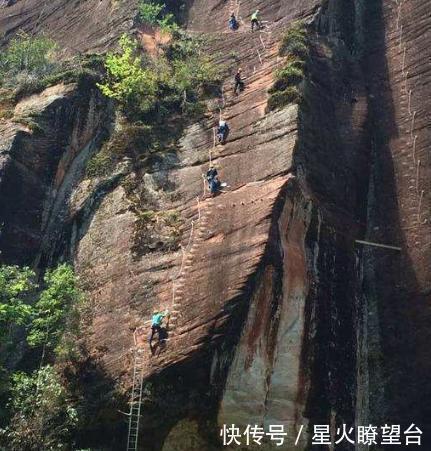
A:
[255,20]
[239,83]
[222,131]
[214,183]
[156,326]
[211,173]
[215,186]
[233,22]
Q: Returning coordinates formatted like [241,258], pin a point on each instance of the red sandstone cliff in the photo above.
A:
[279,316]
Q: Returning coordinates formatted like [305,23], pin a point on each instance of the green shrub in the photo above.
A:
[132,85]
[30,64]
[289,75]
[150,12]
[34,56]
[294,46]
[43,417]
[154,14]
[72,71]
[16,284]
[16,289]
[153,89]
[282,98]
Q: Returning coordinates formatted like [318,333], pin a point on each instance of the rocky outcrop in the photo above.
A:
[46,144]
[278,316]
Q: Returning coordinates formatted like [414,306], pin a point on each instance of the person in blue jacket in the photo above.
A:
[233,23]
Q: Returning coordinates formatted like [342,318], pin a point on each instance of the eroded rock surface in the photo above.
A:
[278,317]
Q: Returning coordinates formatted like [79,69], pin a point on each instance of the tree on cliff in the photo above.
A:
[158,85]
[128,81]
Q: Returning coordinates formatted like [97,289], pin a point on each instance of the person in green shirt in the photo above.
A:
[255,20]
[156,324]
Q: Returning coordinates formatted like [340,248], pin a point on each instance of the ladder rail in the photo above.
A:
[135,404]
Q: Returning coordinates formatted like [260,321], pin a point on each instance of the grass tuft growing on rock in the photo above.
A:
[156,231]
[290,75]
[294,41]
[294,47]
[31,64]
[283,98]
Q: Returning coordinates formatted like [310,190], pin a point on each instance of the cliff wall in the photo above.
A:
[278,315]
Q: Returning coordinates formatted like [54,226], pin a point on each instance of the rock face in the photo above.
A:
[44,150]
[398,286]
[278,316]
[77,26]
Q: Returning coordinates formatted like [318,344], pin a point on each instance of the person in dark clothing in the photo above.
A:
[239,84]
[211,173]
[222,131]
[215,185]
[233,23]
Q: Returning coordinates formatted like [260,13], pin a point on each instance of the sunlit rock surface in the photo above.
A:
[279,317]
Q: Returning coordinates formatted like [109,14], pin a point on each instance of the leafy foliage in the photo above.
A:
[15,286]
[294,46]
[128,81]
[156,87]
[38,412]
[27,54]
[42,415]
[155,13]
[150,12]
[52,307]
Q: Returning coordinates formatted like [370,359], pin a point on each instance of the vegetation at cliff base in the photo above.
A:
[36,413]
[43,416]
[16,285]
[294,48]
[51,309]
